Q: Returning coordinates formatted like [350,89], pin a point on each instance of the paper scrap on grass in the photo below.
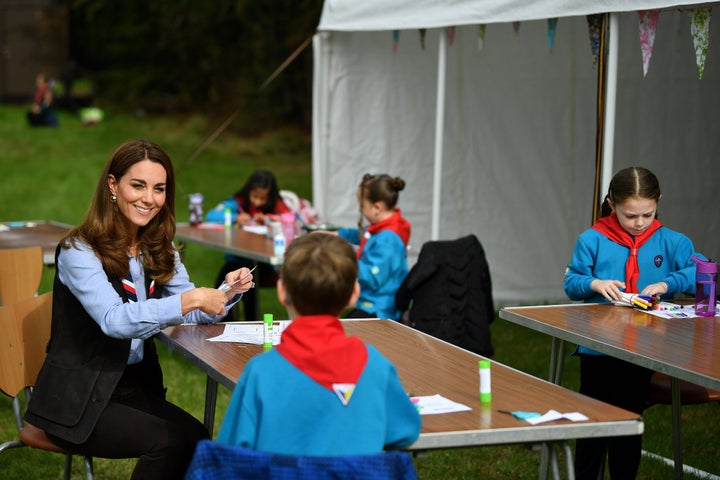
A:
[553,415]
[244,332]
[434,404]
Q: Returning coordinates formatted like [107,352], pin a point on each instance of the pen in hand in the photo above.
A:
[225,287]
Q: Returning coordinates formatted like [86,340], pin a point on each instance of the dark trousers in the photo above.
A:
[264,276]
[624,385]
[140,424]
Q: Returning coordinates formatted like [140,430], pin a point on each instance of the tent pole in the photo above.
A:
[439,133]
[600,113]
[610,104]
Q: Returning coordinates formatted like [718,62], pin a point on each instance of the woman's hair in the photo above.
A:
[319,272]
[631,182]
[380,188]
[260,179]
[105,227]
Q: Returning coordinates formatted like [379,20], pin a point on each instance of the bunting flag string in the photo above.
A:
[594,25]
[648,20]
[396,40]
[552,26]
[700,31]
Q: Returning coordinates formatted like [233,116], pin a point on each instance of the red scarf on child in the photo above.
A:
[397,223]
[317,345]
[611,228]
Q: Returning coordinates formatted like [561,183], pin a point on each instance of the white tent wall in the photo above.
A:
[519,136]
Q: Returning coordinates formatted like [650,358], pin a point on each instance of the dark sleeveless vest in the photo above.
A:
[83,367]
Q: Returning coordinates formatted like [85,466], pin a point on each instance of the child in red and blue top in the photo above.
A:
[382,246]
[627,250]
[319,392]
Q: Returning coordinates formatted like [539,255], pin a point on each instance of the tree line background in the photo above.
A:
[189,55]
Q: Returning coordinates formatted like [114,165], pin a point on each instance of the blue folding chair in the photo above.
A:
[217,461]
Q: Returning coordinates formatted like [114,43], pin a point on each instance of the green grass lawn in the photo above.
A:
[50,174]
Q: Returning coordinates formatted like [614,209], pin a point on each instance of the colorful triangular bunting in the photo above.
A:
[552,26]
[594,25]
[481,36]
[450,35]
[396,40]
[422,37]
[700,30]
[648,20]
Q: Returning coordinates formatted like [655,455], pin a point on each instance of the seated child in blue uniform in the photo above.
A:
[319,392]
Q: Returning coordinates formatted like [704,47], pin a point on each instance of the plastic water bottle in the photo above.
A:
[196,209]
[705,287]
[278,239]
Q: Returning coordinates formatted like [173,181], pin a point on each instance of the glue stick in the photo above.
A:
[228,218]
[484,372]
[267,331]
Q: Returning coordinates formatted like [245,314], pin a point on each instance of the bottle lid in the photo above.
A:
[267,317]
[483,363]
[705,266]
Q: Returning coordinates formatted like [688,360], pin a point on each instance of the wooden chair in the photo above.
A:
[20,273]
[24,334]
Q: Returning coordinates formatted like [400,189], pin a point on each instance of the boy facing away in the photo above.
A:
[319,392]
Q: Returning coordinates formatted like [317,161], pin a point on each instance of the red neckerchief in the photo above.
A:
[318,346]
[397,223]
[610,227]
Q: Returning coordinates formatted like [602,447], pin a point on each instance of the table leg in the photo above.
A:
[211,388]
[557,360]
[677,426]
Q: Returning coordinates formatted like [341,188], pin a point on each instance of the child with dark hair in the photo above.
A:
[256,199]
[319,392]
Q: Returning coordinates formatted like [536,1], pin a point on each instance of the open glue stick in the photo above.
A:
[267,331]
[484,371]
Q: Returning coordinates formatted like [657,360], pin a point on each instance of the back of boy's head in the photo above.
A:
[319,273]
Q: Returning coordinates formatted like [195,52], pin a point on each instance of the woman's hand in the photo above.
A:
[209,300]
[240,281]
[609,289]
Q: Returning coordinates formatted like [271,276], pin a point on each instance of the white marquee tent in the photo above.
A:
[507,149]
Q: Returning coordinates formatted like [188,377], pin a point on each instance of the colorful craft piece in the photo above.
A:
[552,26]
[396,40]
[700,31]
[595,22]
[647,26]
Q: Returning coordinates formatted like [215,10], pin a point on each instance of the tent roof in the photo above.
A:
[352,15]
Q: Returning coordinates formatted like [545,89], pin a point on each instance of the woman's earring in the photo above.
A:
[113,198]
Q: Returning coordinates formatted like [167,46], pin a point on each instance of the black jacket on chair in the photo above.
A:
[451,294]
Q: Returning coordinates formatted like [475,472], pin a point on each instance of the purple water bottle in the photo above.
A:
[705,287]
